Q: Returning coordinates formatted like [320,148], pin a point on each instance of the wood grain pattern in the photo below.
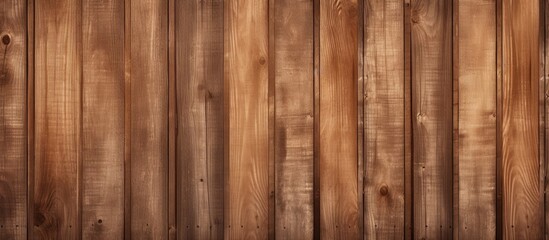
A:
[13,140]
[103,134]
[293,56]
[246,78]
[477,119]
[338,119]
[199,98]
[58,119]
[408,135]
[384,126]
[522,208]
[432,117]
[149,119]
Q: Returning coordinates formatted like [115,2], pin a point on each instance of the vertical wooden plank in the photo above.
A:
[499,119]
[546,111]
[58,70]
[384,127]
[13,140]
[103,134]
[316,119]
[293,56]
[246,81]
[149,119]
[127,119]
[30,119]
[522,208]
[338,119]
[408,147]
[477,119]
[172,126]
[432,113]
[199,103]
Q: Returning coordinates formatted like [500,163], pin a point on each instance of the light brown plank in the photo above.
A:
[477,119]
[432,117]
[199,102]
[149,119]
[246,83]
[293,40]
[13,139]
[338,119]
[103,119]
[58,69]
[384,126]
[522,201]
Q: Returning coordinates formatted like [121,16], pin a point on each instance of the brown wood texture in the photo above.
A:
[246,85]
[338,126]
[58,119]
[103,141]
[384,123]
[476,73]
[432,117]
[522,198]
[149,119]
[13,126]
[408,143]
[199,104]
[294,102]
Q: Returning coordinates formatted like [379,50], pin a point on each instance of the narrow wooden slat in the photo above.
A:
[293,56]
[316,119]
[384,127]
[432,118]
[499,118]
[199,104]
[149,119]
[246,83]
[30,119]
[546,110]
[477,119]
[13,139]
[103,134]
[338,119]
[408,147]
[172,126]
[58,70]
[522,205]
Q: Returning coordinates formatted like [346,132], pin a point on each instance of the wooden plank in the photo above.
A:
[477,119]
[432,118]
[199,102]
[408,147]
[384,128]
[293,56]
[172,126]
[149,119]
[103,134]
[246,83]
[316,119]
[522,205]
[546,110]
[13,139]
[30,119]
[338,119]
[58,70]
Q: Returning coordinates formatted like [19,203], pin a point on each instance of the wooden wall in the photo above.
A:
[274,119]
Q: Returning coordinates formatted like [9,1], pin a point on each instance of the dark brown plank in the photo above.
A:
[338,119]
[149,119]
[13,139]
[522,201]
[103,119]
[293,56]
[58,70]
[476,74]
[546,108]
[384,126]
[246,83]
[408,147]
[432,117]
[199,103]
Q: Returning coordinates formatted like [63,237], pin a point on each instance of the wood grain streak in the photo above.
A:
[338,119]
[432,117]
[384,126]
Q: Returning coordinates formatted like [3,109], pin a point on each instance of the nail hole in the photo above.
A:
[6,39]
[100,221]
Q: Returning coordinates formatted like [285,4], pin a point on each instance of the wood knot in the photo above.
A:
[262,60]
[6,39]
[384,190]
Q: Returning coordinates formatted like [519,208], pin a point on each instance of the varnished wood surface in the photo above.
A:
[522,208]
[477,120]
[103,141]
[293,76]
[13,126]
[338,124]
[149,120]
[199,105]
[246,77]
[432,117]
